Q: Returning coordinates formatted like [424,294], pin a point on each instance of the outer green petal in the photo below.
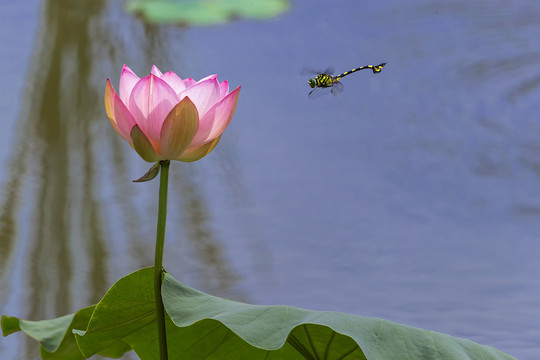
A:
[199,152]
[142,145]
[179,128]
[150,174]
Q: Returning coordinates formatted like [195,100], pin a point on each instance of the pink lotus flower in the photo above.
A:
[166,118]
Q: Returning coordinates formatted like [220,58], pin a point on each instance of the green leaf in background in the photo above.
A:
[205,12]
[202,326]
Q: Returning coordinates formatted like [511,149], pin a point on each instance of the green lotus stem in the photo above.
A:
[158,261]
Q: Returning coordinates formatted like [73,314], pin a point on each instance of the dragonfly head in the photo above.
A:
[312,82]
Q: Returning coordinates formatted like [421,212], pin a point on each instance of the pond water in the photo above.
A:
[413,196]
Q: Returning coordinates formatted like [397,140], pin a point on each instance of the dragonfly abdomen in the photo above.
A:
[376,69]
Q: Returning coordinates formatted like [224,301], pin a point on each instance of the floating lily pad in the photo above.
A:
[205,12]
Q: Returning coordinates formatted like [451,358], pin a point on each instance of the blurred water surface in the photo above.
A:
[413,196]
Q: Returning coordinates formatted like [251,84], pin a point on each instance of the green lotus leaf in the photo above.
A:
[285,332]
[202,326]
[55,336]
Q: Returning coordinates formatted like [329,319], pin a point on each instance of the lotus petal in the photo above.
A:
[156,71]
[143,146]
[224,89]
[119,115]
[215,121]
[204,94]
[198,152]
[128,79]
[150,102]
[189,82]
[174,81]
[178,129]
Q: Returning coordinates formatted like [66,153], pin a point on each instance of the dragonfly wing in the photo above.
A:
[329,70]
[318,92]
[337,88]
[309,71]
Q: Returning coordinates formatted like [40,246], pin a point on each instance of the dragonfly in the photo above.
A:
[325,80]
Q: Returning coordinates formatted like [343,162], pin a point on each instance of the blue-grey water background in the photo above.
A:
[413,196]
